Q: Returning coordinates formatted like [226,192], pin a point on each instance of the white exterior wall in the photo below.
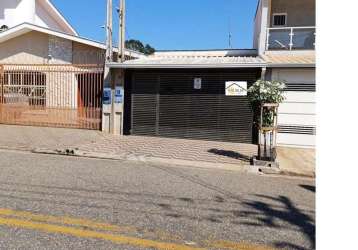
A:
[262,22]
[257,25]
[14,12]
[299,108]
[43,19]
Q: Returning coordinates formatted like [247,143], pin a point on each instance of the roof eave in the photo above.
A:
[186,66]
[27,27]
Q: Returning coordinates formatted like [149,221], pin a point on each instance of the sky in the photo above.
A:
[169,24]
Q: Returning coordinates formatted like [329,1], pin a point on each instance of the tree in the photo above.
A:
[138,46]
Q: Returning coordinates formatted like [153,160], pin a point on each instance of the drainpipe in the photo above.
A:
[263,73]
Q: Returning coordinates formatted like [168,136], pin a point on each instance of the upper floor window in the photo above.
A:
[279,19]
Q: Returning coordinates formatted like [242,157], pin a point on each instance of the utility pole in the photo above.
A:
[107,106]
[109,33]
[122,30]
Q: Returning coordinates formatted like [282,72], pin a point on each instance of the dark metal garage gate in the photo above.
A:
[165,103]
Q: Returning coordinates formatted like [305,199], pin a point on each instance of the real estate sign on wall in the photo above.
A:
[236,88]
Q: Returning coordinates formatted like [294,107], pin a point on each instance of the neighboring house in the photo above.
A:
[284,37]
[35,32]
[47,71]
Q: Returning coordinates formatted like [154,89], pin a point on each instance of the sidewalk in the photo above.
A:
[29,138]
[196,153]
[297,160]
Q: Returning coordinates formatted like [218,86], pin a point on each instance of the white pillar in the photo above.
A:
[265,23]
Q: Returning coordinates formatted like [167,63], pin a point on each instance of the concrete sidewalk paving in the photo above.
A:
[29,138]
[196,153]
[297,160]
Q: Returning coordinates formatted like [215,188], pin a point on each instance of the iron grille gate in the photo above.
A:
[51,95]
[165,103]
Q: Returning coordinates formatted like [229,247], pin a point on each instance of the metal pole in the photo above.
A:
[107,108]
[109,34]
[122,30]
[291,39]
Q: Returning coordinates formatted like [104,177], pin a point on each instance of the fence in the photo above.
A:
[51,95]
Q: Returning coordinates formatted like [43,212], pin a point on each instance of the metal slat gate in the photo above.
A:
[165,103]
[51,95]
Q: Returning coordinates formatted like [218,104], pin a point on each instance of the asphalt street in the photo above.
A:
[56,202]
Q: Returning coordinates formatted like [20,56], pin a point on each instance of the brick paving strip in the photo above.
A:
[95,144]
[179,149]
[195,153]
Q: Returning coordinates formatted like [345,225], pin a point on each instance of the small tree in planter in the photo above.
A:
[265,97]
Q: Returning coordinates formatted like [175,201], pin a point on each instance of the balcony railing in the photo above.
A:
[291,38]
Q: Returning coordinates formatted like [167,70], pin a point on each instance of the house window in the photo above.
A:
[25,87]
[279,19]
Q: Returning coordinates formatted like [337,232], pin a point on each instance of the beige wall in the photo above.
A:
[31,48]
[84,54]
[299,12]
[35,47]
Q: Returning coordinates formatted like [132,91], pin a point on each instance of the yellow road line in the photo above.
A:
[119,239]
[237,246]
[35,221]
[62,220]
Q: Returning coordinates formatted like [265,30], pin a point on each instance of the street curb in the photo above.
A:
[154,160]
[177,162]
[205,165]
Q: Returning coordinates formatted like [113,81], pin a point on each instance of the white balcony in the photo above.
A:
[291,38]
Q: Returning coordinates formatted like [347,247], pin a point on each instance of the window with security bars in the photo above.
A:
[279,19]
[24,87]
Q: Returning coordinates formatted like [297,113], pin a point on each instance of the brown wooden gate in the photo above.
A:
[51,95]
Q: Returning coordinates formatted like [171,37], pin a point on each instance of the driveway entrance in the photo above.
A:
[189,104]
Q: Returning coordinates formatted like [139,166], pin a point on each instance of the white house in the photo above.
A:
[38,12]
[285,38]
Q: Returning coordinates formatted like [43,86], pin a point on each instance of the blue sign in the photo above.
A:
[118,95]
[107,96]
